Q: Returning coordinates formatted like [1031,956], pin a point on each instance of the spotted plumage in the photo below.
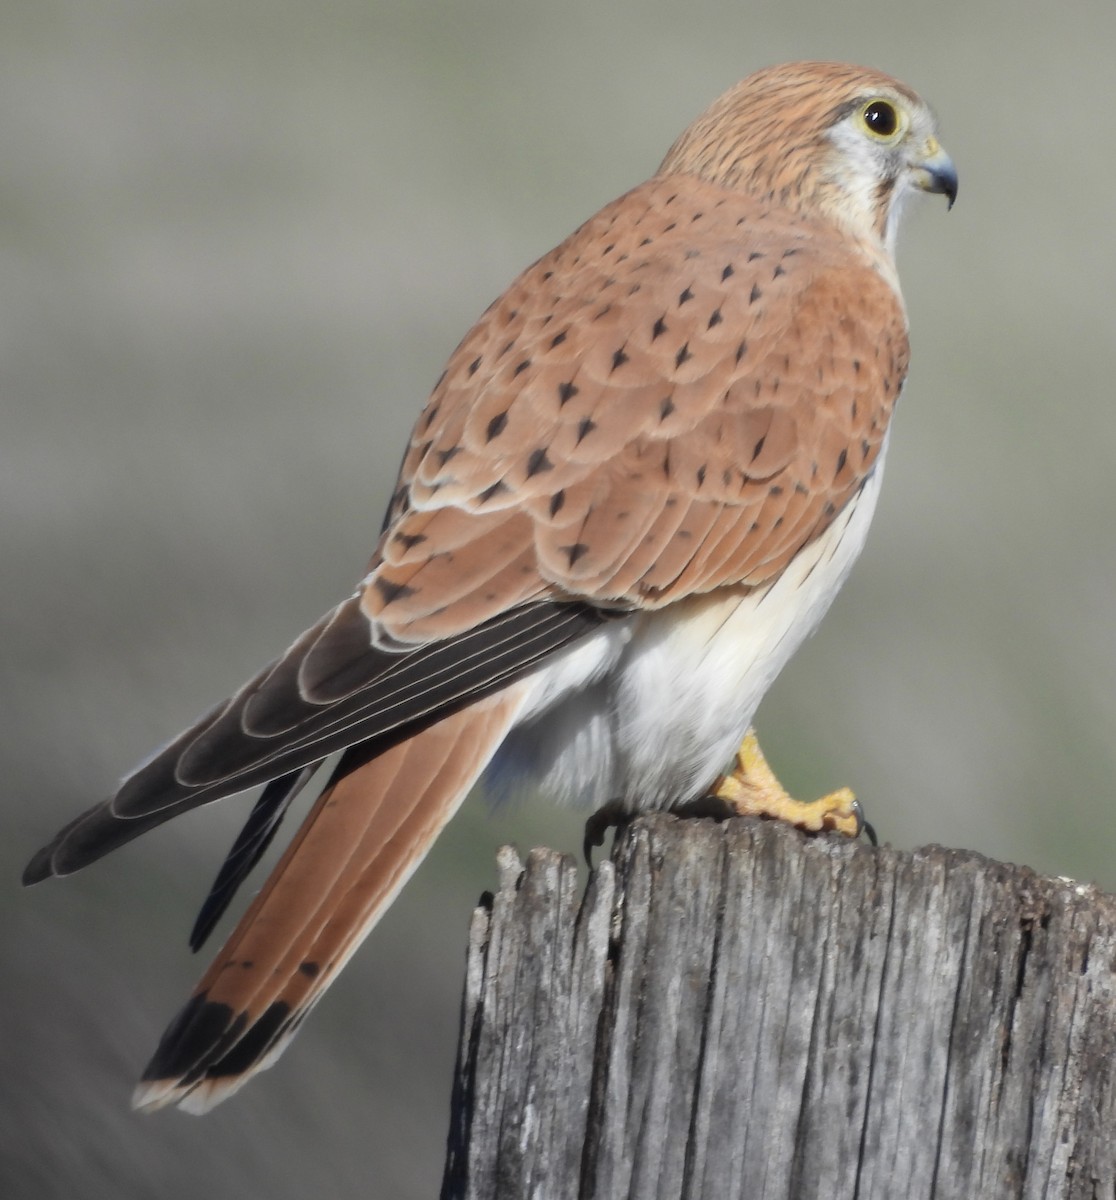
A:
[631,495]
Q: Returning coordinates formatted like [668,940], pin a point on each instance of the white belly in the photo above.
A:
[650,709]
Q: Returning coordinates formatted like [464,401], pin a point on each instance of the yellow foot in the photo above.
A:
[752,790]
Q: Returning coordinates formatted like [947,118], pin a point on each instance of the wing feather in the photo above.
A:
[252,842]
[413,690]
[664,405]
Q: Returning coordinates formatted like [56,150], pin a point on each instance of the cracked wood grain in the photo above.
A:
[734,1010]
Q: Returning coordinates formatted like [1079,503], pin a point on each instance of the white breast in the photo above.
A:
[650,709]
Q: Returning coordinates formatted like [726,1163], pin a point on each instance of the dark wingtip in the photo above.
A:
[40,867]
[211,912]
[251,844]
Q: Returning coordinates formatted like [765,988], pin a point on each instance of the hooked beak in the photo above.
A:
[933,171]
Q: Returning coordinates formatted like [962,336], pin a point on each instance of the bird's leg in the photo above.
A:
[752,789]
[610,816]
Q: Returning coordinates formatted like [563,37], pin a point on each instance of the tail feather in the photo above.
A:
[250,846]
[365,835]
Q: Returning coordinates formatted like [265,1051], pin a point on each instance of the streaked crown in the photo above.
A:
[825,139]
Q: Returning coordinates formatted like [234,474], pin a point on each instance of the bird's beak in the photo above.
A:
[933,171]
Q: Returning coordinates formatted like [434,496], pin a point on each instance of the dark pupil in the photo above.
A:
[880,118]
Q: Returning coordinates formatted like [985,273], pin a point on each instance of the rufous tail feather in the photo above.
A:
[365,835]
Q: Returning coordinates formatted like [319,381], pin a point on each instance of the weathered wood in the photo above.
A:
[737,1011]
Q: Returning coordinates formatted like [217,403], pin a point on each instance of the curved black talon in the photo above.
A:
[863,825]
[710,805]
[605,818]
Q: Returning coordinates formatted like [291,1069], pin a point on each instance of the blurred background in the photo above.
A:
[237,243]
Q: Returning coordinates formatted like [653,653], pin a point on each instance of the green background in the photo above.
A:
[237,241]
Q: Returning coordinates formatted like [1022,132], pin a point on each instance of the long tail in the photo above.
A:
[365,835]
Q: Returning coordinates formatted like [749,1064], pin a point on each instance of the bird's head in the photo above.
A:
[825,139]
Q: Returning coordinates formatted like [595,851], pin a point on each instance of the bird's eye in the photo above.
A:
[880,118]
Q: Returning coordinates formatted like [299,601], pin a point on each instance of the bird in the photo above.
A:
[634,491]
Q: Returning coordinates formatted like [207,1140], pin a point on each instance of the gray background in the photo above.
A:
[236,244]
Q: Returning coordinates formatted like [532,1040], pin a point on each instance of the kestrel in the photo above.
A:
[634,491]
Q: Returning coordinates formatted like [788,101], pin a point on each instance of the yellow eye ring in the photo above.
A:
[881,119]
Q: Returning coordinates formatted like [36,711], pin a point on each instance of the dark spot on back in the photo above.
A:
[391,591]
[538,462]
[494,490]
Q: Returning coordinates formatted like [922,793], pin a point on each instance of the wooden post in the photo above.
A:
[736,1011]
